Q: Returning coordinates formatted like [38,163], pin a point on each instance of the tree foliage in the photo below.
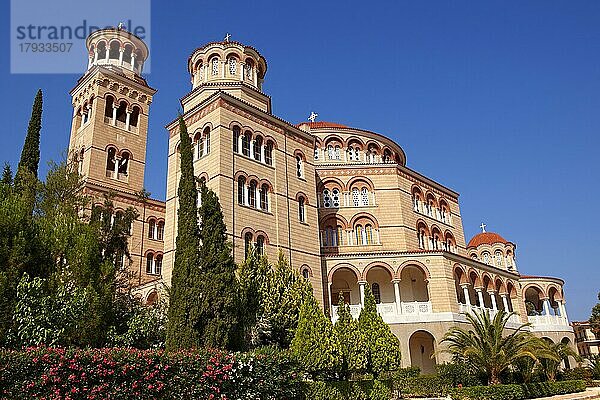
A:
[485,347]
[27,170]
[352,344]
[219,325]
[186,291]
[315,346]
[382,346]
[595,318]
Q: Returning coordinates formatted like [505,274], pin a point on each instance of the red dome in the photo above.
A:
[322,124]
[486,238]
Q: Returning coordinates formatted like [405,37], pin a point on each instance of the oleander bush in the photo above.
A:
[56,373]
[517,392]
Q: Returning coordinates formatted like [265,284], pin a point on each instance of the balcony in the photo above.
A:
[549,323]
[120,125]
[414,311]
[470,309]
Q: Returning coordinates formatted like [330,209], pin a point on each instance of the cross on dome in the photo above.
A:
[482,226]
[227,36]
[313,116]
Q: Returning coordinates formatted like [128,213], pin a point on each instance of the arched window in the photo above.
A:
[236,138]
[340,235]
[101,51]
[111,159]
[337,152]
[258,142]
[207,139]
[299,167]
[249,70]
[305,273]
[123,166]
[355,197]
[114,50]
[260,245]
[241,190]
[360,235]
[330,152]
[158,264]
[160,230]
[215,66]
[486,257]
[326,198]
[301,213]
[246,144]
[198,146]
[151,229]
[135,115]
[376,292]
[421,235]
[498,259]
[369,234]
[364,197]
[247,243]
[335,198]
[150,263]
[252,194]
[80,162]
[264,197]
[232,66]
[269,153]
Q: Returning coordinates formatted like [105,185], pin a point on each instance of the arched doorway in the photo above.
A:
[413,284]
[566,362]
[380,282]
[422,348]
[344,282]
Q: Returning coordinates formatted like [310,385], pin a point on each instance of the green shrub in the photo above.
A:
[459,373]
[421,386]
[577,373]
[347,390]
[517,392]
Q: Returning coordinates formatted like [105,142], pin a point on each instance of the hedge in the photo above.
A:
[54,373]
[517,392]
[347,390]
[421,386]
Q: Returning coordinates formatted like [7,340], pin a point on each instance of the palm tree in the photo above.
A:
[485,347]
[551,355]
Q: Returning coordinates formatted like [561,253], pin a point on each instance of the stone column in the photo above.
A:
[397,298]
[563,309]
[121,51]
[114,116]
[127,119]
[95,55]
[116,171]
[361,286]
[240,143]
[546,307]
[505,302]
[465,287]
[480,297]
[132,61]
[106,57]
[493,297]
[329,284]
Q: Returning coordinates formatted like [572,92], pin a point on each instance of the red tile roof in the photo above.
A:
[486,238]
[321,124]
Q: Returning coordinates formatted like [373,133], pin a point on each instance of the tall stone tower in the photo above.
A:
[109,133]
[259,165]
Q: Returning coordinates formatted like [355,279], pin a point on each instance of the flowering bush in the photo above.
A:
[56,373]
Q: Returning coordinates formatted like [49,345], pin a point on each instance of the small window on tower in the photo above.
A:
[232,66]
[215,66]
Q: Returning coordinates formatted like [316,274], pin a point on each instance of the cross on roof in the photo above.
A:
[482,226]
[313,116]
[227,36]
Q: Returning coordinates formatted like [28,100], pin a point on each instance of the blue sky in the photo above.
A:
[499,101]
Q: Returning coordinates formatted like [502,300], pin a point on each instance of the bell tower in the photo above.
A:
[110,112]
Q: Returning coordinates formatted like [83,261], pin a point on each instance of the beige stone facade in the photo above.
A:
[588,342]
[339,202]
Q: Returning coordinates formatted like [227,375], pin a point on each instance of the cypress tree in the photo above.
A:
[352,345]
[184,312]
[30,155]
[220,325]
[382,346]
[7,177]
[315,346]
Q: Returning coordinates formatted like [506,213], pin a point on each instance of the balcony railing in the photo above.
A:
[539,320]
[120,124]
[409,311]
[465,308]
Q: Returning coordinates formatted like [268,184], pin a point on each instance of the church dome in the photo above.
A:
[486,238]
[321,124]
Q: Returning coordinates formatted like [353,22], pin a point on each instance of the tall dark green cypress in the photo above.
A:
[7,177]
[30,155]
[220,325]
[186,291]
